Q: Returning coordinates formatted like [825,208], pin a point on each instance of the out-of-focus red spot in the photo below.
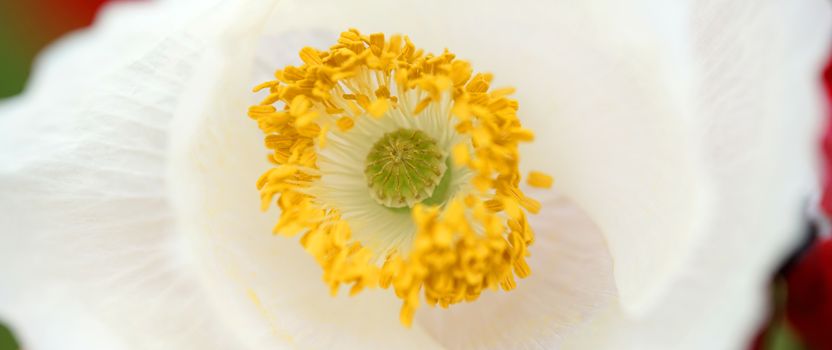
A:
[826,144]
[809,303]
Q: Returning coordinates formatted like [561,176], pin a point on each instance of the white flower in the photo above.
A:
[684,130]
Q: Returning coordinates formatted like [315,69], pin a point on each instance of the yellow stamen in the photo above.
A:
[474,237]
[539,180]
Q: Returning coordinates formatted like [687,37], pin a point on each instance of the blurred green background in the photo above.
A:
[26,26]
[7,341]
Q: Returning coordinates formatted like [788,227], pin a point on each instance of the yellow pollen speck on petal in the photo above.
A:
[252,295]
[539,180]
[430,139]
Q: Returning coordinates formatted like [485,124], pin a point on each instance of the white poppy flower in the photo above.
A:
[680,135]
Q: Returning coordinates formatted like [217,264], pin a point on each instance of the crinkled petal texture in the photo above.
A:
[90,255]
[684,131]
[759,106]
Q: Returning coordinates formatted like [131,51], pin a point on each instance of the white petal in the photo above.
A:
[571,280]
[88,229]
[760,105]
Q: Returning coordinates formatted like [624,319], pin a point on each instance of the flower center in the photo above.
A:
[404,168]
[399,169]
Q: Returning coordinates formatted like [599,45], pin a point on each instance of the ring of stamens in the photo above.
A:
[403,168]
[457,231]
